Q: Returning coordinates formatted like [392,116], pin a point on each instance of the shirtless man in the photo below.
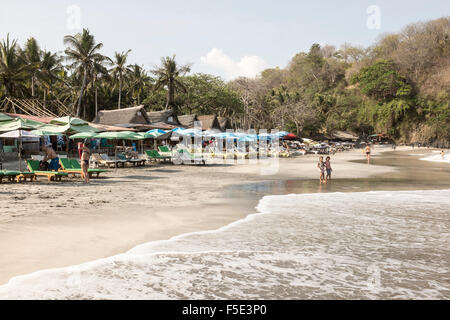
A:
[367,151]
[51,155]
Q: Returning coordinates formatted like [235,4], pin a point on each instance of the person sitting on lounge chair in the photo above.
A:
[51,155]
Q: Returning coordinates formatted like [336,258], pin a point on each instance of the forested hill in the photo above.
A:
[399,86]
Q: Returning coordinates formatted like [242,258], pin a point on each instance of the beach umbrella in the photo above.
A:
[19,124]
[16,134]
[226,135]
[69,120]
[119,135]
[84,135]
[247,139]
[264,136]
[71,125]
[4,117]
[157,131]
[290,136]
[147,135]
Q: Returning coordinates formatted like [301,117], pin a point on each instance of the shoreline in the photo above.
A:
[36,243]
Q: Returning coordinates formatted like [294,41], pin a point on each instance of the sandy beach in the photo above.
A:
[51,225]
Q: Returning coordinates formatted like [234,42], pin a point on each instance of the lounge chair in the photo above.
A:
[105,157]
[135,162]
[107,163]
[165,151]
[72,166]
[154,155]
[184,155]
[33,166]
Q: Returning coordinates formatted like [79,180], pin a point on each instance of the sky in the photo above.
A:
[227,38]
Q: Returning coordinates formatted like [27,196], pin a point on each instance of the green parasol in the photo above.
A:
[4,117]
[84,135]
[120,135]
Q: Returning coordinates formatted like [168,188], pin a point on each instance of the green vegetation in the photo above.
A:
[399,86]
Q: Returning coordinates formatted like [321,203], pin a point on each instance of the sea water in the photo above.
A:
[356,245]
[437,157]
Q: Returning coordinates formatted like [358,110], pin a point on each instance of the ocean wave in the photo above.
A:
[368,245]
[437,158]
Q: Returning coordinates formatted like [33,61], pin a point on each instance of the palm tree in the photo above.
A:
[83,51]
[49,71]
[120,70]
[13,70]
[168,76]
[32,56]
[138,80]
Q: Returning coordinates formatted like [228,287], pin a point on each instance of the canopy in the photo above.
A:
[83,135]
[19,124]
[119,135]
[157,131]
[147,135]
[4,117]
[18,134]
[68,120]
[68,129]
[290,136]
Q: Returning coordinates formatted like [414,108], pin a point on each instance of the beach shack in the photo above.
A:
[188,120]
[224,123]
[209,122]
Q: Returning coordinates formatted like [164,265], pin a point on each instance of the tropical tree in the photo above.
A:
[13,70]
[120,70]
[49,71]
[83,52]
[32,56]
[138,81]
[168,75]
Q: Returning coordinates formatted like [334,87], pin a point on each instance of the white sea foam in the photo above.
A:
[437,158]
[335,245]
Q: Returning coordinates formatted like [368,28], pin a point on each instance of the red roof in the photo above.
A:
[24,116]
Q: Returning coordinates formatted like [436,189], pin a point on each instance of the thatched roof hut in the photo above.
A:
[224,123]
[136,115]
[209,122]
[188,120]
[165,116]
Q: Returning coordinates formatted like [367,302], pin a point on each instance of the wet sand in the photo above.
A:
[78,223]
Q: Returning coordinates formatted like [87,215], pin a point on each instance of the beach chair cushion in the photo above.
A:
[76,166]
[164,148]
[33,166]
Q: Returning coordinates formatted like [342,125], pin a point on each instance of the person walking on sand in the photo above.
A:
[85,155]
[321,167]
[328,168]
[367,151]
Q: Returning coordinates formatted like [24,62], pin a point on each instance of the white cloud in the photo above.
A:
[248,66]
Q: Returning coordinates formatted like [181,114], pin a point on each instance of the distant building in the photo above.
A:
[123,117]
[209,122]
[188,120]
[224,123]
[165,116]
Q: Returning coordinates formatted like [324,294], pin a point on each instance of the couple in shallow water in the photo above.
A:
[324,166]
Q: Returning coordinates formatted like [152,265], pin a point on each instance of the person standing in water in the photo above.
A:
[367,151]
[321,167]
[328,168]
[442,154]
[85,155]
